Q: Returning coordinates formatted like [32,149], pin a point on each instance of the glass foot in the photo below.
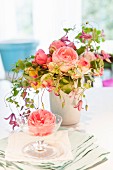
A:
[45,151]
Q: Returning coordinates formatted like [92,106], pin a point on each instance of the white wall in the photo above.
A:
[7,19]
[51,16]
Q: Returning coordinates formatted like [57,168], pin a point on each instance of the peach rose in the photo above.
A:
[65,67]
[48,84]
[65,57]
[41,122]
[51,66]
[89,56]
[84,64]
[41,57]
[56,45]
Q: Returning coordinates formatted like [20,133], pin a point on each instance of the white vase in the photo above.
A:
[70,115]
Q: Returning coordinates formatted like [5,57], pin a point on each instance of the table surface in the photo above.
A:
[98,120]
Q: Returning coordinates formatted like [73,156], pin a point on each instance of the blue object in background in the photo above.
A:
[13,50]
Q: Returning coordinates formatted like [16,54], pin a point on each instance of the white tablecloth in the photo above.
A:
[98,120]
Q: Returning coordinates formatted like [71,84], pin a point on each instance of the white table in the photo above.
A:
[98,120]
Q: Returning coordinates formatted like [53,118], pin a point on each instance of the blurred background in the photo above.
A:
[26,25]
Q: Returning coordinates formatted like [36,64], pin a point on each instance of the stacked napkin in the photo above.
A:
[80,151]
[17,141]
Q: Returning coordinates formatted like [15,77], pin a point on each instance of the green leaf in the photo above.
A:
[37,91]
[32,106]
[78,36]
[87,85]
[27,99]
[79,82]
[83,95]
[81,50]
[98,32]
[86,107]
[67,29]
[64,81]
[98,47]
[25,83]
[28,64]
[103,39]
[15,92]
[67,88]
[94,64]
[63,104]
[32,56]
[21,64]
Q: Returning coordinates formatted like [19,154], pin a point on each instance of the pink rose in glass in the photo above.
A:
[41,57]
[41,122]
[56,45]
[65,57]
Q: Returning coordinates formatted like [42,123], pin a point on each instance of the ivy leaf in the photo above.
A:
[81,50]
[32,56]
[37,91]
[67,88]
[32,106]
[15,92]
[86,107]
[20,64]
[64,81]
[94,64]
[25,83]
[87,85]
[67,29]
[79,82]
[63,104]
[28,64]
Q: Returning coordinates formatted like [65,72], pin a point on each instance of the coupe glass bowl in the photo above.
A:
[41,149]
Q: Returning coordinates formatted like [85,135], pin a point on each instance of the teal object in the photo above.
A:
[13,50]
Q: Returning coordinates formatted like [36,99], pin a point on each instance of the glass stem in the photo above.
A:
[40,145]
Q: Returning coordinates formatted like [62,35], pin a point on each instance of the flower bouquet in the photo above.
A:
[69,66]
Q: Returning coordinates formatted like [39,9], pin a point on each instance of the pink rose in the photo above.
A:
[41,57]
[41,122]
[49,59]
[56,45]
[65,57]
[84,64]
[89,56]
